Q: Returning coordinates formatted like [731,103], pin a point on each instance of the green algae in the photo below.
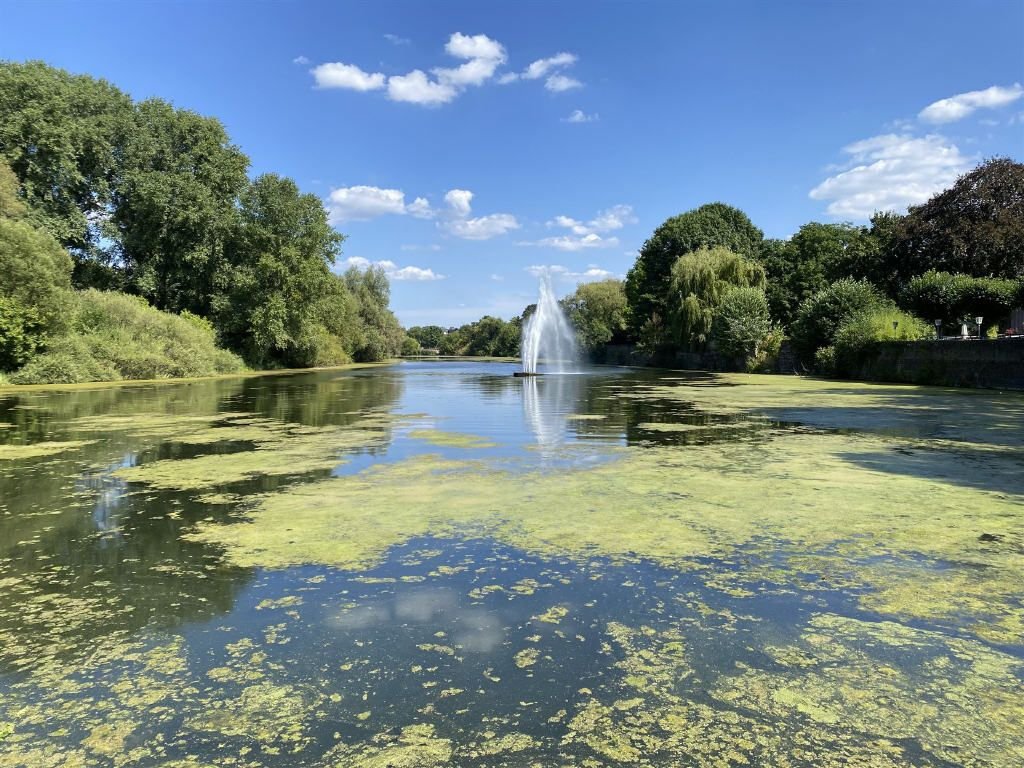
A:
[416,746]
[451,439]
[36,450]
[790,494]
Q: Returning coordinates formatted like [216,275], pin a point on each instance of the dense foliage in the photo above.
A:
[743,329]
[487,337]
[710,226]
[115,336]
[598,313]
[698,283]
[976,227]
[820,317]
[951,298]
[858,335]
[428,336]
[155,201]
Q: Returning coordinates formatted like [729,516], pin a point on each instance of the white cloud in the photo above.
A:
[459,201]
[420,208]
[396,40]
[392,270]
[508,77]
[334,74]
[593,272]
[417,88]
[474,47]
[483,227]
[559,83]
[300,60]
[414,247]
[610,219]
[890,172]
[579,116]
[541,67]
[575,243]
[360,203]
[963,104]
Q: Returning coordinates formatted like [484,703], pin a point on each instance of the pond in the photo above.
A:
[435,563]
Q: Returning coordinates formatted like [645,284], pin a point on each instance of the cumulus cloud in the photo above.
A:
[963,104]
[481,55]
[461,224]
[392,270]
[579,116]
[590,274]
[334,74]
[549,68]
[482,227]
[588,234]
[541,67]
[360,203]
[890,172]
[559,83]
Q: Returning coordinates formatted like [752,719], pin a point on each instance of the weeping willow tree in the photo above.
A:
[699,282]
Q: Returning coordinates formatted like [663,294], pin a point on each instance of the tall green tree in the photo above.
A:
[598,313]
[272,294]
[175,204]
[712,225]
[976,227]
[62,135]
[817,255]
[35,279]
[699,281]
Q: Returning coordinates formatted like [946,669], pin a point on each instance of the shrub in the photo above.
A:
[825,361]
[410,347]
[699,282]
[942,296]
[114,336]
[820,316]
[742,328]
[862,332]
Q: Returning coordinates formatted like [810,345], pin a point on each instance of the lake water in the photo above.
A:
[435,563]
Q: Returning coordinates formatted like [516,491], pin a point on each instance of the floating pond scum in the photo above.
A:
[432,564]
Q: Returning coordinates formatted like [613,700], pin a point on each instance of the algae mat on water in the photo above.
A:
[815,585]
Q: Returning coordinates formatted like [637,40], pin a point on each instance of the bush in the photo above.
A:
[410,347]
[861,333]
[114,336]
[820,317]
[946,297]
[825,361]
[742,328]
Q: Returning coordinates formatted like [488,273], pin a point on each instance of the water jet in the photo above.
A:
[548,335]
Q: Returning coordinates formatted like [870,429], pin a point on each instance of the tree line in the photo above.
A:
[102,194]
[708,279]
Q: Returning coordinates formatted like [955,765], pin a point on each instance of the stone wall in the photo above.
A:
[991,364]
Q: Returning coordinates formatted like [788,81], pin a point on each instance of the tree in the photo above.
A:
[429,336]
[272,295]
[698,283]
[817,255]
[743,328]
[598,313]
[820,316]
[976,227]
[35,280]
[175,204]
[950,298]
[712,225]
[62,134]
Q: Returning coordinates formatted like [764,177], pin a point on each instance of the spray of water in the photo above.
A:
[548,336]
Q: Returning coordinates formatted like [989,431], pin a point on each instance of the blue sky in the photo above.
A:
[465,144]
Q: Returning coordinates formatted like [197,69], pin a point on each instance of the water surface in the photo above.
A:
[439,564]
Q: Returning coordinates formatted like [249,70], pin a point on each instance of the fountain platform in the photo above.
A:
[520,374]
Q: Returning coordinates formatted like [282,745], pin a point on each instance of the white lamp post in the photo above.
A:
[978,320]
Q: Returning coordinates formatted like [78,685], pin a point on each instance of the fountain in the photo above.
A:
[547,335]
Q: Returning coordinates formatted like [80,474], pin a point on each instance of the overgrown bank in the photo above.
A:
[133,244]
